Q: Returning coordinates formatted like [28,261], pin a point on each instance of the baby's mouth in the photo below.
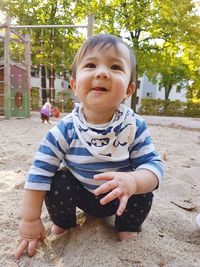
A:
[101,89]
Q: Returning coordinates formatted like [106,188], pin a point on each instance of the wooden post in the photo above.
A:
[7,93]
[90,25]
[28,74]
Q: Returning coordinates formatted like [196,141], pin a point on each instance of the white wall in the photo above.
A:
[173,95]
[147,87]
[36,82]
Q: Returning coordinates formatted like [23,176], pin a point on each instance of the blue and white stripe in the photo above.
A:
[61,146]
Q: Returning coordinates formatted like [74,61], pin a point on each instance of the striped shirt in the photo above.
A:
[62,146]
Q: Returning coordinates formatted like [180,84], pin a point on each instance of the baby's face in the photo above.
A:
[102,79]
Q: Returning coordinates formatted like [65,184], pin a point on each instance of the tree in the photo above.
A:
[175,62]
[163,34]
[191,56]
[49,46]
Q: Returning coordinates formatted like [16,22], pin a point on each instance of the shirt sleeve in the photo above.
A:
[142,152]
[50,154]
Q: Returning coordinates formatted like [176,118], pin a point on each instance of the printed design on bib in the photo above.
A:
[110,141]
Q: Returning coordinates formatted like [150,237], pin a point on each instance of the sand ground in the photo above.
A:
[169,236]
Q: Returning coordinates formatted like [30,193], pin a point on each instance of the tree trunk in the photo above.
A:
[167,91]
[43,84]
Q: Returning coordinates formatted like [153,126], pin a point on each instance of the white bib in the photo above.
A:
[110,141]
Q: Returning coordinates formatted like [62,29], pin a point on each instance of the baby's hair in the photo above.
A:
[103,41]
[47,105]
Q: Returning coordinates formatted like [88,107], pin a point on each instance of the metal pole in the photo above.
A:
[47,26]
[90,25]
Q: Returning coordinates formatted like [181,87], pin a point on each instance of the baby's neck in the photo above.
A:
[98,118]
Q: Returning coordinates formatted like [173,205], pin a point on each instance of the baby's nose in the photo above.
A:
[102,73]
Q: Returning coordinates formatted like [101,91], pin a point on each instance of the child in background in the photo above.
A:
[56,112]
[111,166]
[45,112]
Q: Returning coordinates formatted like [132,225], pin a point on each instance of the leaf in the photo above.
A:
[185,204]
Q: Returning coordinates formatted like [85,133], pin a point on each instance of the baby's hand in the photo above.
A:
[30,233]
[120,185]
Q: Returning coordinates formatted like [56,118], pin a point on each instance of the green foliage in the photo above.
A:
[60,97]
[35,99]
[1,49]
[48,46]
[66,99]
[193,109]
[165,35]
[169,108]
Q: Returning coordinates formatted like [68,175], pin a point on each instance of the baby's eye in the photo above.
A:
[90,65]
[116,67]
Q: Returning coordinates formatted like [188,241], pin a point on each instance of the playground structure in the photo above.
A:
[19,93]
[15,77]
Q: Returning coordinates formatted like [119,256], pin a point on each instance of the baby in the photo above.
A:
[111,166]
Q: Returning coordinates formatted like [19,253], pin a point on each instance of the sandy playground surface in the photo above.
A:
[169,236]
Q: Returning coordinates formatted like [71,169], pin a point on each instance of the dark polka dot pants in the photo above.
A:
[67,193]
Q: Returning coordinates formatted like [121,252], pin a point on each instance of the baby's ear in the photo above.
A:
[73,85]
[130,89]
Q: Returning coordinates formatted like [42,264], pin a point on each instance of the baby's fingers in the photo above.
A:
[122,205]
[42,235]
[20,250]
[105,188]
[32,247]
[115,193]
[107,176]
